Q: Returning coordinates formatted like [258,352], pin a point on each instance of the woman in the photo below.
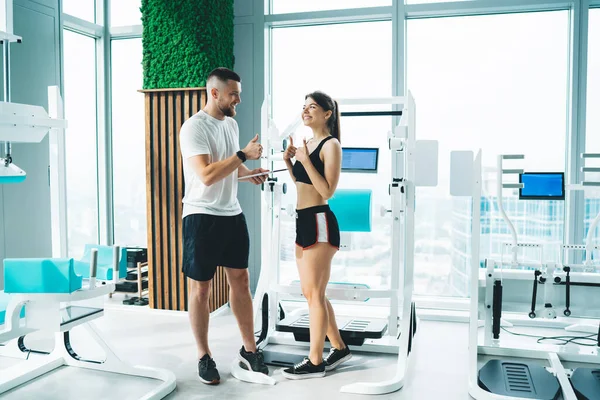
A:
[316,173]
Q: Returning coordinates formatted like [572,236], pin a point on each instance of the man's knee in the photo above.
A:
[238,279]
[199,290]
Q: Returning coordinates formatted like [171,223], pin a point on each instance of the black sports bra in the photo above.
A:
[298,168]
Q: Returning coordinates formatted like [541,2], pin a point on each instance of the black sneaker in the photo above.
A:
[207,371]
[304,370]
[336,357]
[253,361]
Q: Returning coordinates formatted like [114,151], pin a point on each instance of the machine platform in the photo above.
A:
[354,331]
[519,379]
[586,383]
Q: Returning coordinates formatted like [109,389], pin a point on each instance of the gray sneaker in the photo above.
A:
[207,371]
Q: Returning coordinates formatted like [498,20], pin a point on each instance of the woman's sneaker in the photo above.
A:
[207,371]
[304,370]
[336,357]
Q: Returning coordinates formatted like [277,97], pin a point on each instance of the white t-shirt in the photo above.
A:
[203,134]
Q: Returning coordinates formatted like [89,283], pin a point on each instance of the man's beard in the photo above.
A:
[227,111]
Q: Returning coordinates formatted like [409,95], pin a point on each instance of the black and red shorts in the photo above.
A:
[317,224]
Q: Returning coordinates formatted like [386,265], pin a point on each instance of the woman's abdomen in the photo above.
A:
[308,196]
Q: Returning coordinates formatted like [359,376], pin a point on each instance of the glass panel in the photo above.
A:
[337,70]
[503,90]
[125,12]
[84,9]
[129,143]
[81,159]
[287,6]
[592,145]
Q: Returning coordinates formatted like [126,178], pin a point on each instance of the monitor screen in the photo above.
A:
[542,186]
[355,159]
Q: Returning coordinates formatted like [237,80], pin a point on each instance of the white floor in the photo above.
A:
[163,339]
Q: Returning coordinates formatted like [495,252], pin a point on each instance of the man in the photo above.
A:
[214,227]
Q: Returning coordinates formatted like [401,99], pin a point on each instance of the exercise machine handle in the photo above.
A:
[93,268]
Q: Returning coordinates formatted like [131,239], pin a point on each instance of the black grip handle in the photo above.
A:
[496,309]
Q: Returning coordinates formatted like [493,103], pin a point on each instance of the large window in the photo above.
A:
[129,156]
[592,201]
[345,61]
[84,9]
[287,6]
[81,150]
[498,83]
[125,12]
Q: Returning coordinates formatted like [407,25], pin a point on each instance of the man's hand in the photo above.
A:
[290,152]
[257,180]
[302,153]
[253,150]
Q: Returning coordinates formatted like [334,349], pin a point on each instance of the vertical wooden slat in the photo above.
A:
[195,101]
[186,115]
[149,197]
[157,261]
[163,195]
[219,285]
[179,191]
[173,220]
[224,289]
[221,291]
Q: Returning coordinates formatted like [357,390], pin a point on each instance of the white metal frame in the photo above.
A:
[43,313]
[553,355]
[403,144]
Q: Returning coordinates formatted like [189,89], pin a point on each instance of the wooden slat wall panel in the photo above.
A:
[166,110]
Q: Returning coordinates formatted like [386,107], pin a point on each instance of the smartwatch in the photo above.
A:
[241,155]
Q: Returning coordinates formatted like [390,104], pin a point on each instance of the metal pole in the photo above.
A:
[6,67]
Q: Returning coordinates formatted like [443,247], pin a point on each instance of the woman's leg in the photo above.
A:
[314,267]
[333,333]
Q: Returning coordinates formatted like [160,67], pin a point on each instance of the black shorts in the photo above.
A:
[210,241]
[317,224]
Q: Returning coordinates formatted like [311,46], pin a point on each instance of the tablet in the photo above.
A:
[262,173]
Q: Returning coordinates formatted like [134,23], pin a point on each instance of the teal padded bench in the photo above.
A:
[104,272]
[40,275]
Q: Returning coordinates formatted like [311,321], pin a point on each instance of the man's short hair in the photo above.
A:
[223,75]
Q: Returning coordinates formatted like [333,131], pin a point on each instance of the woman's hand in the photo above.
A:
[290,152]
[302,153]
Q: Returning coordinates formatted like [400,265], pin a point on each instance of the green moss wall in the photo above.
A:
[183,40]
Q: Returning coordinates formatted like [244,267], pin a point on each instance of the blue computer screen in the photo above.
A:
[359,159]
[539,186]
